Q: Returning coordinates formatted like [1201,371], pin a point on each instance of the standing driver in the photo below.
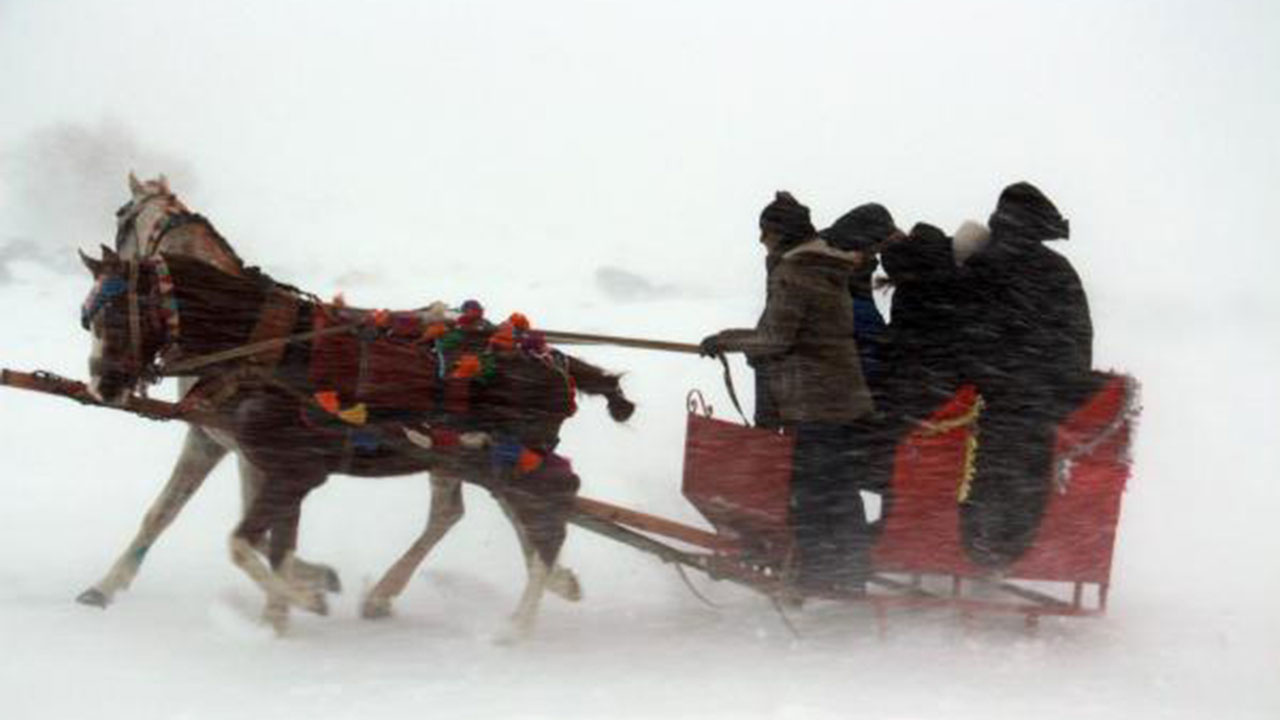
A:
[816,384]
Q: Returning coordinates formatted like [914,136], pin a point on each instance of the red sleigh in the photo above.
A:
[738,479]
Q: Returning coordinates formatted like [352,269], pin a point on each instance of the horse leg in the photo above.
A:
[540,510]
[317,575]
[200,453]
[561,581]
[277,507]
[446,510]
[284,537]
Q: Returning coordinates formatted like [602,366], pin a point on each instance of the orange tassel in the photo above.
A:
[468,366]
[328,399]
[529,461]
[504,337]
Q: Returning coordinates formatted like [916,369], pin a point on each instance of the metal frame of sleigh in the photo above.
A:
[738,479]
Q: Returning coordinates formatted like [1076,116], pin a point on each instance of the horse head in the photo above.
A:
[140,222]
[129,317]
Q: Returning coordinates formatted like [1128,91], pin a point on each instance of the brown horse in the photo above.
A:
[155,221]
[454,400]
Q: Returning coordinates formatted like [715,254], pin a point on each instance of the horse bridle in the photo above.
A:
[133,364]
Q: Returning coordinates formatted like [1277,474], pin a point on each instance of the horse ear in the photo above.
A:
[109,256]
[164,184]
[94,266]
[135,186]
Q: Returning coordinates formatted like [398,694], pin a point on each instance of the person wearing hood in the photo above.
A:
[816,382]
[1033,337]
[865,229]
[928,354]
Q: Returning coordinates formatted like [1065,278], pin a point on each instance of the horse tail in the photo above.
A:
[595,381]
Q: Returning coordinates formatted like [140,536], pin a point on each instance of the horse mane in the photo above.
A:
[222,243]
[217,308]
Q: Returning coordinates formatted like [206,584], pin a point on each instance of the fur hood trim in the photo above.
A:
[969,239]
[818,246]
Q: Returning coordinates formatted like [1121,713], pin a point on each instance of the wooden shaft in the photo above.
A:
[653,524]
[51,384]
[572,338]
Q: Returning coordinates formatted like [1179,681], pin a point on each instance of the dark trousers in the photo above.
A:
[1012,482]
[827,515]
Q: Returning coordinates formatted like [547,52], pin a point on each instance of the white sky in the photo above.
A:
[648,134]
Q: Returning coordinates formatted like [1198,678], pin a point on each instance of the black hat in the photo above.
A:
[1025,211]
[787,217]
[925,253]
[860,228]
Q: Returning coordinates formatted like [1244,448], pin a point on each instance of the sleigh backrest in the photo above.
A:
[1076,537]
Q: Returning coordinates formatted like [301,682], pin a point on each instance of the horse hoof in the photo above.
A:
[375,609]
[94,597]
[332,583]
[564,583]
[318,605]
[278,619]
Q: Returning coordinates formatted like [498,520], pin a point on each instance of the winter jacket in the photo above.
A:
[1033,342]
[803,335]
[1031,322]
[929,350]
[766,408]
[869,332]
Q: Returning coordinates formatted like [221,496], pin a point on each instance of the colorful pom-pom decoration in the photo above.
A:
[519,321]
[472,313]
[355,415]
[528,461]
[328,399]
[468,367]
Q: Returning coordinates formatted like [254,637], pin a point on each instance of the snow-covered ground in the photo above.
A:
[599,167]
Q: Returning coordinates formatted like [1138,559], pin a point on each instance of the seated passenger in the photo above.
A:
[866,229]
[927,351]
[1033,337]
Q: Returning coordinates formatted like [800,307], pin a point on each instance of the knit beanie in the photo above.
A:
[787,217]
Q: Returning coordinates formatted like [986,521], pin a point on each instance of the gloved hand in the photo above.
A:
[710,346]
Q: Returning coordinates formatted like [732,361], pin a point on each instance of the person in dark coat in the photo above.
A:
[925,354]
[1033,338]
[816,381]
[928,354]
[866,229]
